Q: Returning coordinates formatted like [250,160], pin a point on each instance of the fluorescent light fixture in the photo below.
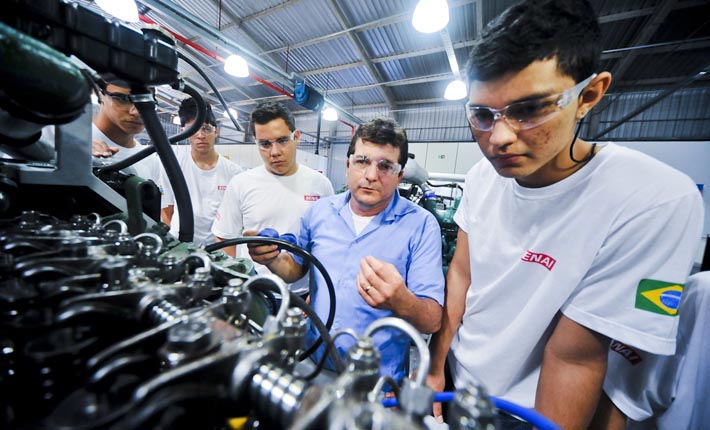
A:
[330,114]
[125,10]
[233,111]
[430,15]
[237,66]
[456,90]
[176,120]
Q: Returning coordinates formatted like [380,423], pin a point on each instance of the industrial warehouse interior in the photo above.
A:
[250,271]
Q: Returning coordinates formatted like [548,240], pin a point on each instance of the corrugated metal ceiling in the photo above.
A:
[367,58]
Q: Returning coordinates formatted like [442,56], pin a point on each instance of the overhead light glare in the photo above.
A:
[233,111]
[94,99]
[125,10]
[456,90]
[330,114]
[237,66]
[176,120]
[430,15]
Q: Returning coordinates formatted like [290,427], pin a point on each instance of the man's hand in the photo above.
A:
[380,284]
[99,148]
[261,253]
[436,382]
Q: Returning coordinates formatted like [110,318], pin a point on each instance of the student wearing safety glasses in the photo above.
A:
[206,173]
[563,244]
[114,129]
[275,194]
[382,251]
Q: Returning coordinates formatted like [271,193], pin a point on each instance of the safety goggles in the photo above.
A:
[526,114]
[266,144]
[385,167]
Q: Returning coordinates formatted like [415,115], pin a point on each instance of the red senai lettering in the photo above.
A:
[627,352]
[539,258]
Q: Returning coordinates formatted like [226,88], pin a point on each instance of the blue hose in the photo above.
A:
[529,415]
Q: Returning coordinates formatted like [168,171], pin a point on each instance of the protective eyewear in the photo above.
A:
[265,144]
[526,114]
[122,99]
[207,129]
[385,167]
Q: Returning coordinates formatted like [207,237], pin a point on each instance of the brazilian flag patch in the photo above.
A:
[658,296]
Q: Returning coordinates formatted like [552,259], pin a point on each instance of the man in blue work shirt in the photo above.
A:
[382,251]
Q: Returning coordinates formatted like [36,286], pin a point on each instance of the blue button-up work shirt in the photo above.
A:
[404,235]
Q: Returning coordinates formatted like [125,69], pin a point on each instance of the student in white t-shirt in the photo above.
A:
[114,129]
[206,172]
[667,392]
[563,245]
[275,194]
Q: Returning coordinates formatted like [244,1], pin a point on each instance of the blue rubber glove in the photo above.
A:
[288,237]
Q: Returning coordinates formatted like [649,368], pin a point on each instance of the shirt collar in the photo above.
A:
[397,207]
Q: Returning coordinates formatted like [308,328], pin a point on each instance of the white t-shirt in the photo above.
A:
[147,168]
[670,392]
[206,189]
[258,199]
[581,246]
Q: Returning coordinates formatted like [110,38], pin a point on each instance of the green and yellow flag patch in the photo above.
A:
[658,296]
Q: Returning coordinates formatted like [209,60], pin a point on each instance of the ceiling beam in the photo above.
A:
[269,10]
[643,36]
[389,20]
[365,57]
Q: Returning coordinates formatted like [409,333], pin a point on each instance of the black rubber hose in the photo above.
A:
[199,70]
[200,115]
[297,301]
[192,129]
[171,166]
[298,251]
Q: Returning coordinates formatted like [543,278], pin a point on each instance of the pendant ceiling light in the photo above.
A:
[330,114]
[233,111]
[456,90]
[125,10]
[237,66]
[430,15]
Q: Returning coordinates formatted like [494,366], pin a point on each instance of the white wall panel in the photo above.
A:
[441,157]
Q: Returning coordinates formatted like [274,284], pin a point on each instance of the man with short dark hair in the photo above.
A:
[563,244]
[206,172]
[114,129]
[382,251]
[276,193]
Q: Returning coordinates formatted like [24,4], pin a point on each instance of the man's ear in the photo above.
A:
[297,135]
[593,93]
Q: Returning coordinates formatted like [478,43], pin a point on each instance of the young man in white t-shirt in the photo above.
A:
[206,172]
[563,245]
[275,194]
[114,129]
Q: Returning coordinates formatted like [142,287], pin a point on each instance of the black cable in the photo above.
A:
[571,147]
[325,336]
[298,251]
[297,301]
[451,185]
[192,129]
[172,168]
[329,347]
[216,91]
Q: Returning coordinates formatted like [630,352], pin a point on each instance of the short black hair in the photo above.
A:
[266,112]
[534,30]
[188,112]
[383,131]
